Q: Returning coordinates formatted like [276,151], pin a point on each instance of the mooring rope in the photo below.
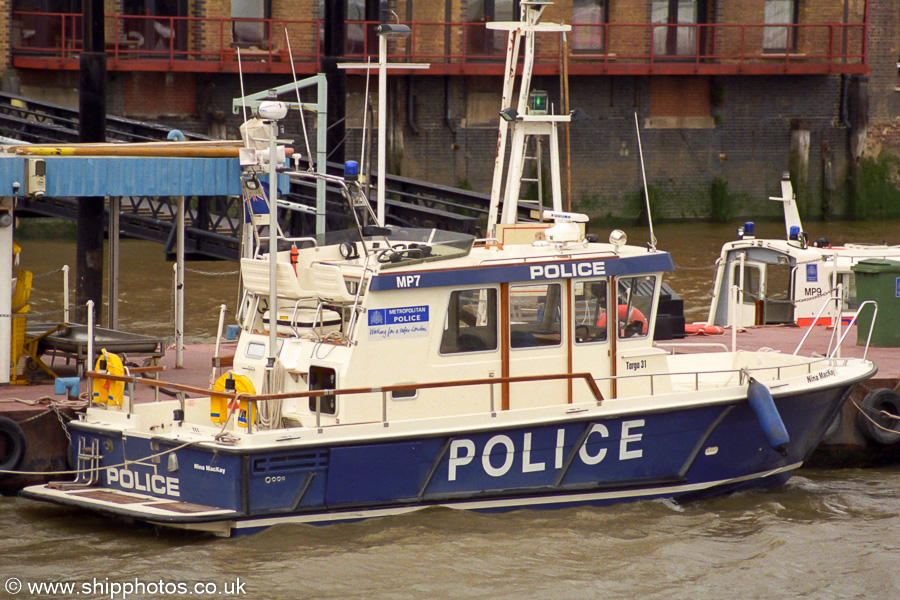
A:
[883,413]
[97,469]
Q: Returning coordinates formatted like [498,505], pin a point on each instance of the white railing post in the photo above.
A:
[734,313]
[179,286]
[179,318]
[65,271]
[740,299]
[89,362]
[839,301]
[215,369]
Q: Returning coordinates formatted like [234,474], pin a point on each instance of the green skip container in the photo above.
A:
[878,279]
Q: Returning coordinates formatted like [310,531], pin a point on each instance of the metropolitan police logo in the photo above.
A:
[376,317]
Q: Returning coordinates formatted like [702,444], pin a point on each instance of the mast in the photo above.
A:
[524,120]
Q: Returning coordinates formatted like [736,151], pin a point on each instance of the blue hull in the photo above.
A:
[679,454]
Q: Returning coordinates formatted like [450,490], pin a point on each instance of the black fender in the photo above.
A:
[834,426]
[878,427]
[12,445]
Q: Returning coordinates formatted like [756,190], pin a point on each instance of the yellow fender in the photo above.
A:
[22,293]
[106,391]
[218,405]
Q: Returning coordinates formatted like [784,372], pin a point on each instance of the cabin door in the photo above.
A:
[537,345]
[750,281]
[591,350]
[765,291]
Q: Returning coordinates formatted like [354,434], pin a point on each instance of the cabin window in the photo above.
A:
[635,300]
[590,311]
[534,315]
[323,378]
[471,323]
[256,350]
[404,394]
[751,282]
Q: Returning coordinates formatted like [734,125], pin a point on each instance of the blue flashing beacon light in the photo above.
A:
[794,232]
[351,170]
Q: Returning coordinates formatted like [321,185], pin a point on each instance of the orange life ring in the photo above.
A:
[703,329]
[636,315]
[713,330]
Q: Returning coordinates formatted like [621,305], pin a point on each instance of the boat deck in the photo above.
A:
[784,338]
[50,342]
[197,363]
[30,405]
[195,372]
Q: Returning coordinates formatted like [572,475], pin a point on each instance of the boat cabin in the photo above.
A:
[791,280]
[411,307]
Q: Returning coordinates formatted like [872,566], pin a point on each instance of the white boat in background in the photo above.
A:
[791,280]
[391,369]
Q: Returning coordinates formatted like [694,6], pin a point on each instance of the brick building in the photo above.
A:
[728,93]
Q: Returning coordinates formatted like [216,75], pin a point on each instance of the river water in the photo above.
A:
[826,534]
[146,279]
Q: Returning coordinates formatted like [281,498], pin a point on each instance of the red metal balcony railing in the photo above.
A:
[191,44]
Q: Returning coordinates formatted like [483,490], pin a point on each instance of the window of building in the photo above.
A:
[680,103]
[588,17]
[44,31]
[534,315]
[247,33]
[160,34]
[471,322]
[590,311]
[780,39]
[356,32]
[668,39]
[635,305]
[481,41]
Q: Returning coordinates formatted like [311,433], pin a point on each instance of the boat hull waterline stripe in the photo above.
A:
[514,503]
[236,522]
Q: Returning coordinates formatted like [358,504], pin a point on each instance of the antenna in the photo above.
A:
[309,155]
[646,191]
[243,96]
[362,153]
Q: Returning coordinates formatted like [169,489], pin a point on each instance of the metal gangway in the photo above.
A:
[213,223]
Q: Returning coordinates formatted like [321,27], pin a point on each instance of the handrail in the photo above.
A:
[852,321]
[837,299]
[588,379]
[461,46]
[591,382]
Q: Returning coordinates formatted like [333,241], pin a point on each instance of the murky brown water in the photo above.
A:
[825,535]
[146,279]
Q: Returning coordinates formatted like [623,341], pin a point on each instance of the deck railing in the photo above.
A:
[136,42]
[689,382]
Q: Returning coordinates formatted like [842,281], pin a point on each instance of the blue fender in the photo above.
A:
[764,406]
